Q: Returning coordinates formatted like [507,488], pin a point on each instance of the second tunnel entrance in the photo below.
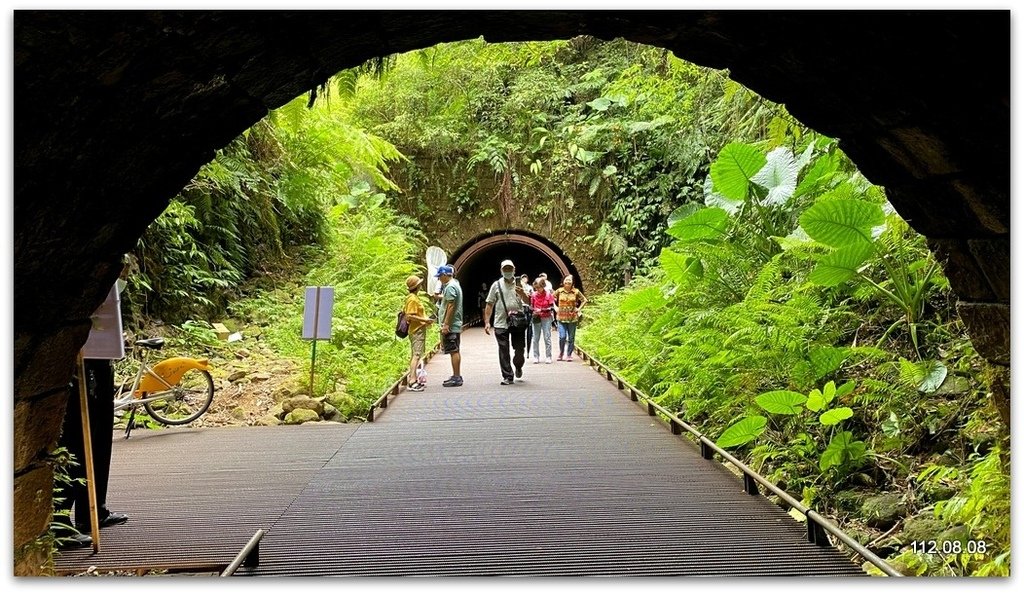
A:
[478,263]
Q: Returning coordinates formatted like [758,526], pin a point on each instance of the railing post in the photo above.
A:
[650,409]
[816,534]
[676,427]
[705,451]
[632,395]
[369,414]
[750,485]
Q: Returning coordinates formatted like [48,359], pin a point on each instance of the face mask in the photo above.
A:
[508,275]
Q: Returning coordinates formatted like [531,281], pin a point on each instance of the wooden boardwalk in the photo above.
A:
[557,475]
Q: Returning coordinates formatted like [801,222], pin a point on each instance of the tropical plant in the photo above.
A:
[843,452]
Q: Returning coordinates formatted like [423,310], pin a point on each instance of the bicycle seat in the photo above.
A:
[150,343]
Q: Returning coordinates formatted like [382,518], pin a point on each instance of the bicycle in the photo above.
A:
[175,391]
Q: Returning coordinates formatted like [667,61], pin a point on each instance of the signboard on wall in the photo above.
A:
[106,338]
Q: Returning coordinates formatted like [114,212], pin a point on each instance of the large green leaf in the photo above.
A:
[819,175]
[934,374]
[682,212]
[778,176]
[781,402]
[679,268]
[841,265]
[835,416]
[713,198]
[839,223]
[706,223]
[815,400]
[734,167]
[745,430]
[840,450]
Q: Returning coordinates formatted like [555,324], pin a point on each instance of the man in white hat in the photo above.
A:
[511,299]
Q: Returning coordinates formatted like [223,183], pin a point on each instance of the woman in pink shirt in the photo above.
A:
[542,302]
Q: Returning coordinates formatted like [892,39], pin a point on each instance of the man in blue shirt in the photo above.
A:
[449,315]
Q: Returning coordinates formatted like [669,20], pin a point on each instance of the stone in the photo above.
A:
[883,511]
[236,375]
[299,416]
[921,527]
[306,402]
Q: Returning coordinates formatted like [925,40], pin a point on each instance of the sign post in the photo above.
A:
[105,341]
[316,321]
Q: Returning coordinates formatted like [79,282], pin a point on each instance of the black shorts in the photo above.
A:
[450,342]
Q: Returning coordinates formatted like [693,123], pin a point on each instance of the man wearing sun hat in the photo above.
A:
[418,322]
[449,315]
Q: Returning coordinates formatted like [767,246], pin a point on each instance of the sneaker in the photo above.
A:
[453,382]
[536,360]
[507,382]
[113,519]
[74,541]
[519,372]
[417,387]
[549,360]
[560,357]
[569,358]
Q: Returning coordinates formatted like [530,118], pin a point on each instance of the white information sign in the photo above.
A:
[316,317]
[106,338]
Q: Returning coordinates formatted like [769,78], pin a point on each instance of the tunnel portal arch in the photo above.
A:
[478,261]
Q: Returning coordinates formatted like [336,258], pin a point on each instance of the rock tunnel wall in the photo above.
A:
[117,110]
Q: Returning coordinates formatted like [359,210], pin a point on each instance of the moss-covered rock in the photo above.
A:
[921,527]
[299,416]
[850,500]
[267,421]
[297,402]
[958,533]
[883,511]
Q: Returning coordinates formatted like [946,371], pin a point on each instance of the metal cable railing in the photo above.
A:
[817,525]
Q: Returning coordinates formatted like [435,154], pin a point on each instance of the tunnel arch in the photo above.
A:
[117,111]
[478,261]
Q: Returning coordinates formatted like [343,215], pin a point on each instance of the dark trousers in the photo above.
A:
[99,381]
[517,338]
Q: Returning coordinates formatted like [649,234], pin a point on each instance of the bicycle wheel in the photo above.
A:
[186,401]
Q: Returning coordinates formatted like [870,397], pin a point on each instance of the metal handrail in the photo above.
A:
[817,525]
[395,388]
[249,555]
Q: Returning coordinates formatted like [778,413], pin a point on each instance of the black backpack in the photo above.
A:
[402,326]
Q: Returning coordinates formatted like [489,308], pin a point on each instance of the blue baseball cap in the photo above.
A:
[446,269]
